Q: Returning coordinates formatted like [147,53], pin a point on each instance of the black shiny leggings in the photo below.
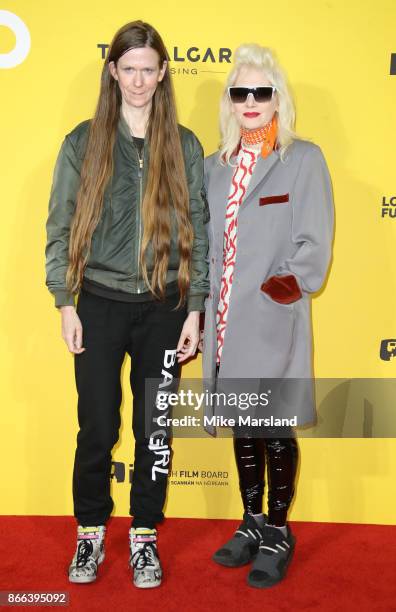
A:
[282,457]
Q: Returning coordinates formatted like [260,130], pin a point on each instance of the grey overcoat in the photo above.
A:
[277,236]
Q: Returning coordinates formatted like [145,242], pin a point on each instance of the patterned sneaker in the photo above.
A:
[89,554]
[274,555]
[243,546]
[144,560]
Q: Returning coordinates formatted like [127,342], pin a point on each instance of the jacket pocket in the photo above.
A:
[282,289]
[274,199]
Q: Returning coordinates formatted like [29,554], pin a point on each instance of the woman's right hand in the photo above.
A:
[72,329]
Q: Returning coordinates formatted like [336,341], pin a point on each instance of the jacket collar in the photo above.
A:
[263,167]
[221,179]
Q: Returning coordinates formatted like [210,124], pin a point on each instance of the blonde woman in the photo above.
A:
[271,209]
[126,231]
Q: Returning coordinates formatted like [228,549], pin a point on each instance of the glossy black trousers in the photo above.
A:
[280,454]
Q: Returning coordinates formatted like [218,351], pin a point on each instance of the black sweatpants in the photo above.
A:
[149,333]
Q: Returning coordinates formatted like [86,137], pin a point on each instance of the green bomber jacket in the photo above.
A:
[114,254]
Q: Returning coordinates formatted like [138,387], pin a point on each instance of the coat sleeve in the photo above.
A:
[312,232]
[199,214]
[62,202]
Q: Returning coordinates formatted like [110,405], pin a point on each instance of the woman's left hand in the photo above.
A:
[189,338]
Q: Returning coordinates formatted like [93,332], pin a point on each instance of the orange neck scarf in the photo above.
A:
[265,135]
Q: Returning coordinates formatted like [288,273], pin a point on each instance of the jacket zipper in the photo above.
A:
[140,174]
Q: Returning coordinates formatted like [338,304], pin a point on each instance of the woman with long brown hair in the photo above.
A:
[126,231]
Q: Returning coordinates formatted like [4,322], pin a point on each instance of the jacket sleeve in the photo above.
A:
[65,185]
[199,214]
[312,232]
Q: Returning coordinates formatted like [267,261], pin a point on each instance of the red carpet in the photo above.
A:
[336,567]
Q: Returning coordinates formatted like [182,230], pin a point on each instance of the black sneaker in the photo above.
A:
[273,557]
[243,546]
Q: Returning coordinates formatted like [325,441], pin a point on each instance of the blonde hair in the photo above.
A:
[261,58]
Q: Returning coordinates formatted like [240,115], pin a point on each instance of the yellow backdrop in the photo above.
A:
[337,55]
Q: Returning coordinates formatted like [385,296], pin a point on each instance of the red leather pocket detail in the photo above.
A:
[282,289]
[275,199]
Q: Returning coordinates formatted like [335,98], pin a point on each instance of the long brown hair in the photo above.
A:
[166,181]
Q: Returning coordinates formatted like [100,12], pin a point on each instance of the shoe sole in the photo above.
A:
[86,579]
[230,563]
[272,583]
[147,586]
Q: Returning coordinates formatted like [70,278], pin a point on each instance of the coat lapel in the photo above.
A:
[221,181]
[261,170]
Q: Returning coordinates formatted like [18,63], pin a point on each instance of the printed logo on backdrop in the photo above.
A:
[388,207]
[199,478]
[123,473]
[22,40]
[193,60]
[388,349]
[119,472]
